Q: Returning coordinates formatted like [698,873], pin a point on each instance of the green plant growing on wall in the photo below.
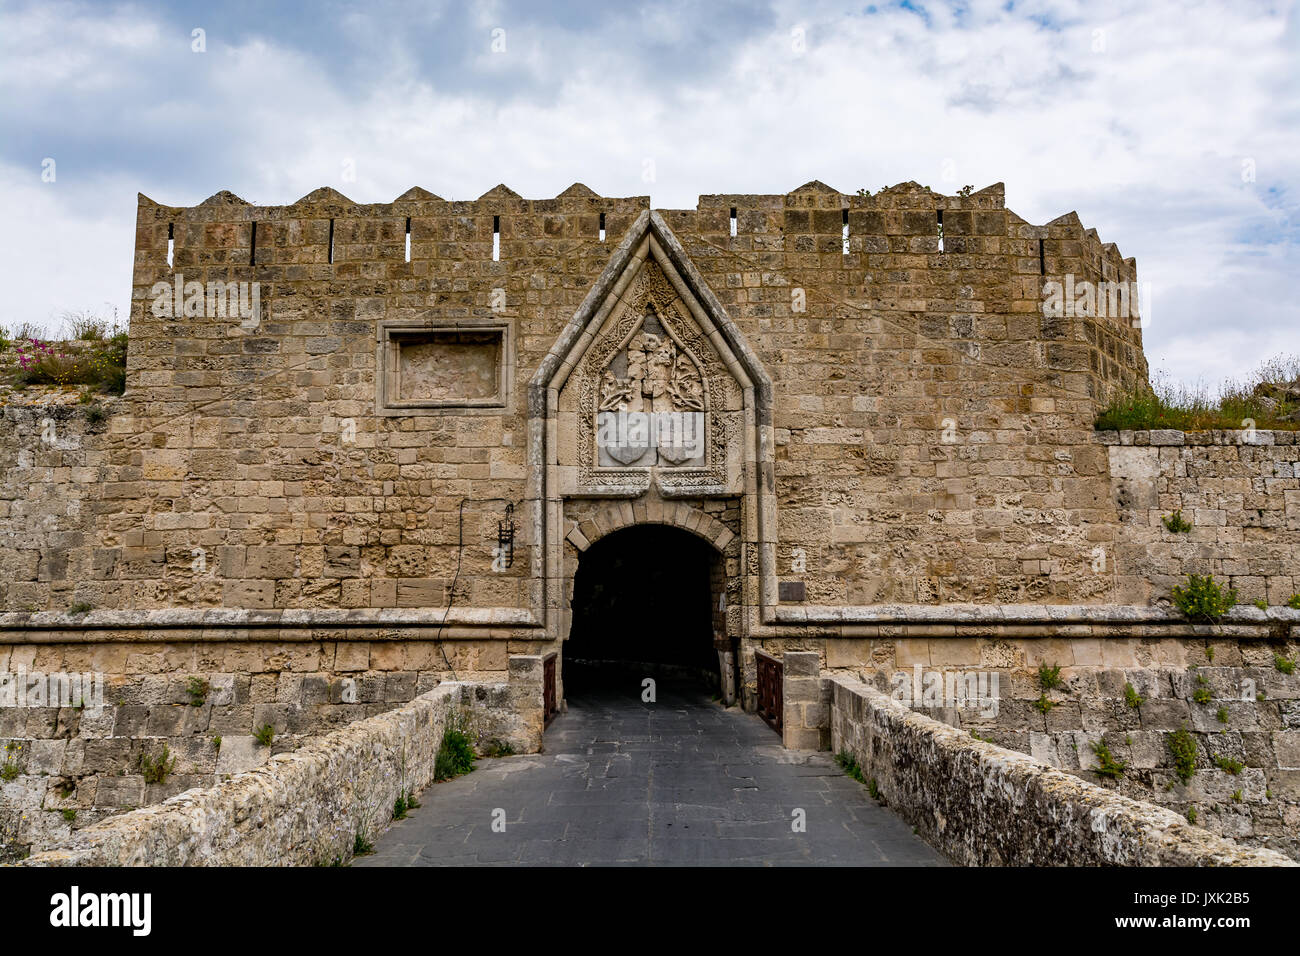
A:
[1182,747]
[1209,653]
[1236,796]
[1202,694]
[1176,523]
[197,688]
[850,766]
[264,735]
[1283,664]
[1203,600]
[1293,602]
[216,744]
[1191,815]
[81,607]
[400,807]
[1228,765]
[1132,697]
[456,751]
[70,814]
[1107,765]
[361,846]
[498,748]
[9,771]
[1049,678]
[1262,604]
[99,362]
[1221,715]
[1168,405]
[156,769]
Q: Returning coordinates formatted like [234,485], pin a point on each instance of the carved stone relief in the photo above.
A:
[652,394]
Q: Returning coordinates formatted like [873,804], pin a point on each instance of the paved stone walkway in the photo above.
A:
[678,782]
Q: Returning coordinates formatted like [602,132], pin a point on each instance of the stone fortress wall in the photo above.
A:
[313,494]
[931,426]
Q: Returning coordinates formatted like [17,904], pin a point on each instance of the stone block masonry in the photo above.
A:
[1227,691]
[985,805]
[386,474]
[897,420]
[302,809]
[256,464]
[1238,490]
[198,705]
[805,696]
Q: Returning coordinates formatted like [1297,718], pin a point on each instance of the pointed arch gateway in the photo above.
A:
[651,409]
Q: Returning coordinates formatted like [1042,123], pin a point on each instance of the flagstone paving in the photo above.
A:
[681,781]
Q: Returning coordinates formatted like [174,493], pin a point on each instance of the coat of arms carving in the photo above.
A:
[650,406]
[651,394]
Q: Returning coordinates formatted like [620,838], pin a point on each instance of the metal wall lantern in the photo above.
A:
[506,536]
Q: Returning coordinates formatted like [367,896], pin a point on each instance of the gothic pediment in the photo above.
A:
[651,382]
[652,394]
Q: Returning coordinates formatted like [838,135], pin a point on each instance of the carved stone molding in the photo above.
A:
[650,361]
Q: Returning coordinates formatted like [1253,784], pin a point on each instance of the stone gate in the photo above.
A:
[363,448]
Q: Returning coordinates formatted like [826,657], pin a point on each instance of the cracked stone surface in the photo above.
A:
[678,782]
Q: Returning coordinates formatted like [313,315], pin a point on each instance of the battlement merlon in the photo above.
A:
[326,235]
[812,209]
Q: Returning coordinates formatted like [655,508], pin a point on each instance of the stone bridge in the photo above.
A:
[652,772]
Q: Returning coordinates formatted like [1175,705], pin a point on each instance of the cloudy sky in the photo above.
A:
[1172,128]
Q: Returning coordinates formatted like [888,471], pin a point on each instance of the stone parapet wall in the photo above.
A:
[69,767]
[305,808]
[985,805]
[1241,711]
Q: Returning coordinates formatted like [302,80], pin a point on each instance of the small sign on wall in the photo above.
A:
[791,591]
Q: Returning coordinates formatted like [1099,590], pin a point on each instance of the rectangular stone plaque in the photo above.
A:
[447,366]
[791,591]
[431,367]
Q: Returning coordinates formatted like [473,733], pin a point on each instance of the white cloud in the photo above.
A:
[69,247]
[1145,138]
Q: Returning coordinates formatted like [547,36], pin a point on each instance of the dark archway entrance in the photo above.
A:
[645,604]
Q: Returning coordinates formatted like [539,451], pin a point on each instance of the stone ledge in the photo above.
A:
[393,624]
[1025,614]
[1170,437]
[218,618]
[984,805]
[303,808]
